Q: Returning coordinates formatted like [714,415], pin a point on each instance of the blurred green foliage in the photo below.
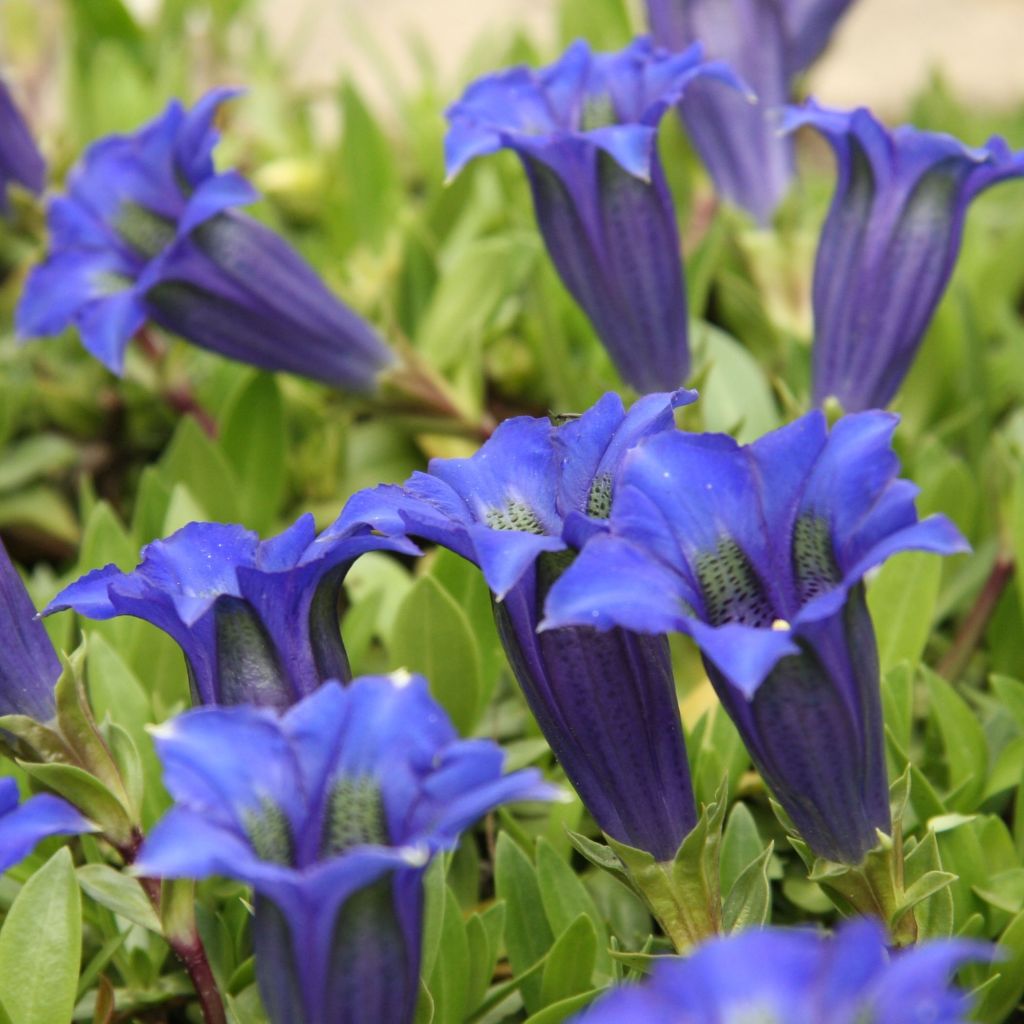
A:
[92,468]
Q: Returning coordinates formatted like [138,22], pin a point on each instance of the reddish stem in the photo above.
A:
[189,951]
[972,629]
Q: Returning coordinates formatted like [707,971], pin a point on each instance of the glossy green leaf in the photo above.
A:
[41,946]
[432,635]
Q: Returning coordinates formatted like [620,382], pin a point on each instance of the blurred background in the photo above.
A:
[883,52]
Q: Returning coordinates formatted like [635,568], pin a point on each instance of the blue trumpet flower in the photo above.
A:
[606,703]
[29,666]
[759,553]
[147,233]
[256,620]
[331,813]
[889,245]
[22,825]
[20,160]
[769,43]
[586,132]
[799,977]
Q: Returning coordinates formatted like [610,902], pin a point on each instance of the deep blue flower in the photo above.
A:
[759,552]
[331,813]
[768,42]
[146,233]
[586,131]
[605,702]
[20,161]
[29,666]
[22,825]
[799,977]
[256,620]
[889,245]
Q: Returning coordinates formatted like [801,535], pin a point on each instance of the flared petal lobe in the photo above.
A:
[256,620]
[24,825]
[585,129]
[29,666]
[331,813]
[759,552]
[888,247]
[20,160]
[605,702]
[802,978]
[146,233]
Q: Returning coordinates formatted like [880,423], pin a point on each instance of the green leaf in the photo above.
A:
[735,394]
[485,933]
[749,903]
[570,964]
[254,438]
[36,456]
[41,946]
[478,279]
[197,462]
[720,754]
[449,981]
[563,1009]
[528,936]
[898,703]
[934,916]
[1000,998]
[432,635]
[565,897]
[120,893]
[964,741]
[902,601]
[741,845]
[88,794]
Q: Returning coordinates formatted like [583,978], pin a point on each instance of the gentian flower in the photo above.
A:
[20,160]
[759,553]
[256,620]
[799,977]
[889,245]
[22,825]
[29,666]
[586,132]
[331,813]
[606,703]
[769,43]
[146,233]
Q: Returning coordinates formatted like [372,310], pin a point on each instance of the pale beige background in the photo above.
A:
[883,51]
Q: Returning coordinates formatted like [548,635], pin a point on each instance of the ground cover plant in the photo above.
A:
[542,550]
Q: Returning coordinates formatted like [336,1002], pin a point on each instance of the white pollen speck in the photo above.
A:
[781,626]
[400,678]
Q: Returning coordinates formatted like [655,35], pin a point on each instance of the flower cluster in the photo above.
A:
[257,620]
[586,131]
[598,537]
[331,813]
[605,702]
[147,233]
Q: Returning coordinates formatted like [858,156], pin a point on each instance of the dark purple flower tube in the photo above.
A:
[758,553]
[20,160]
[331,812]
[256,620]
[586,131]
[889,245]
[606,703]
[29,666]
[146,233]
[768,42]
